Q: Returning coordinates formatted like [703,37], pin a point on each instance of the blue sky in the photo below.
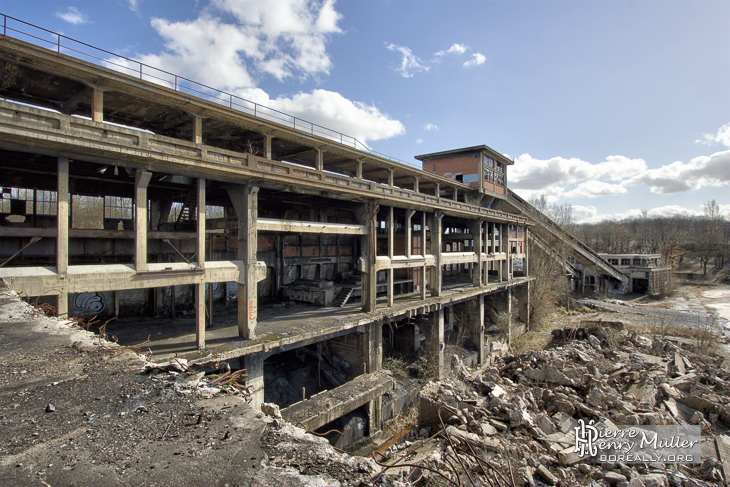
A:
[613,107]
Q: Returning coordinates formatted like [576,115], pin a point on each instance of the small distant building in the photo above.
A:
[644,272]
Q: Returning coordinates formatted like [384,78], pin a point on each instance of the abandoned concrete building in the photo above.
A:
[224,230]
[644,272]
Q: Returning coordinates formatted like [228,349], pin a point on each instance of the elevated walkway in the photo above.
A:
[549,234]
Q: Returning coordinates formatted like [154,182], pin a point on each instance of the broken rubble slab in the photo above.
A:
[546,475]
[644,392]
[549,374]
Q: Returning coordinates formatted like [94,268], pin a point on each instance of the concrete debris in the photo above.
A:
[517,417]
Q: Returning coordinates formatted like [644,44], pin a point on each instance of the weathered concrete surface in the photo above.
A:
[327,406]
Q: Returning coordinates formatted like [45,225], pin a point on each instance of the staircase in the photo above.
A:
[187,210]
[342,297]
[547,230]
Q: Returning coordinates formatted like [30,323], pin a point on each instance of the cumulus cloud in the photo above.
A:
[721,137]
[595,189]
[232,44]
[410,63]
[430,126]
[72,15]
[476,59]
[538,174]
[454,49]
[678,177]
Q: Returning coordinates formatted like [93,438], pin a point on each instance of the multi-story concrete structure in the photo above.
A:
[143,193]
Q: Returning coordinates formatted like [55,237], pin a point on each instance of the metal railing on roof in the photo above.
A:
[62,44]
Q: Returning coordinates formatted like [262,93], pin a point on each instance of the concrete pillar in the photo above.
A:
[200,291]
[485,267]
[367,215]
[374,340]
[97,105]
[210,305]
[391,237]
[423,254]
[475,317]
[197,130]
[509,315]
[436,275]
[245,201]
[433,329]
[415,185]
[62,217]
[200,315]
[409,230]
[375,415]
[390,177]
[267,146]
[141,180]
[527,251]
[254,364]
[320,160]
[522,293]
[504,246]
[475,228]
[358,170]
[437,191]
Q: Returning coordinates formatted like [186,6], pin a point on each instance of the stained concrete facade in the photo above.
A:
[124,196]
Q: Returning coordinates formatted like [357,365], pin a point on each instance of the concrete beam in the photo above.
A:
[327,406]
[294,226]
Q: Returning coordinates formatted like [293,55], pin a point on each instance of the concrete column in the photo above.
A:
[504,246]
[437,191]
[522,293]
[485,267]
[423,254]
[210,305]
[373,347]
[320,160]
[527,252]
[415,185]
[201,222]
[433,329]
[391,237]
[390,177]
[436,275]
[368,215]
[97,105]
[141,180]
[475,310]
[245,201]
[62,217]
[475,228]
[267,146]
[509,314]
[200,315]
[358,170]
[409,230]
[456,194]
[254,364]
[375,415]
[197,130]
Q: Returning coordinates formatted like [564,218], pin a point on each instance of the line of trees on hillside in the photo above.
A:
[679,238]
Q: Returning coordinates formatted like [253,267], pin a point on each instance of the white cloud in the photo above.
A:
[539,174]
[430,126]
[134,7]
[552,193]
[72,15]
[595,189]
[722,137]
[232,44]
[410,63]
[476,59]
[678,177]
[419,141]
[454,49]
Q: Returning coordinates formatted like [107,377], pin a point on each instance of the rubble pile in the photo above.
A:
[514,422]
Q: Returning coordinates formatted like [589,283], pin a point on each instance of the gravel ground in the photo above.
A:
[72,414]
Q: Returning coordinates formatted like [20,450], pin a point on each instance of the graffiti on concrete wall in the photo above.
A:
[92,302]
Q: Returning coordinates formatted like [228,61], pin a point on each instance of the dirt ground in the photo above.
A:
[74,414]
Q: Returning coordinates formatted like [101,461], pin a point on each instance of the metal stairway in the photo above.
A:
[548,231]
